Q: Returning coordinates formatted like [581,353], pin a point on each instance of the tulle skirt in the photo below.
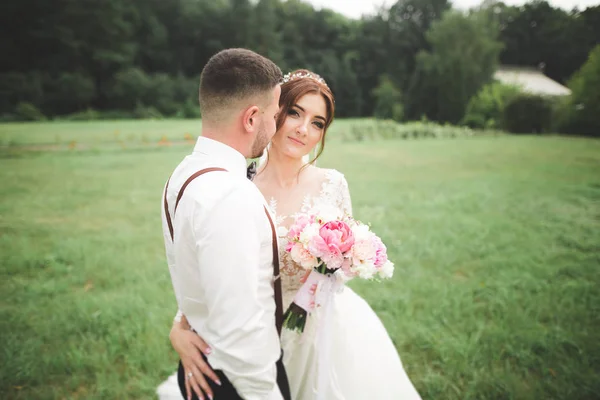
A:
[363,362]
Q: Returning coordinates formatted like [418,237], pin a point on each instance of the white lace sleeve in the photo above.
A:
[345,201]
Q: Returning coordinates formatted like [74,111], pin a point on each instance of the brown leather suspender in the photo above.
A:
[276,278]
[189,180]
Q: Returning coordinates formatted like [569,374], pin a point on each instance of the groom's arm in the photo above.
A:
[239,330]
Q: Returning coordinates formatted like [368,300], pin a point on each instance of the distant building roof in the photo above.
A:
[531,81]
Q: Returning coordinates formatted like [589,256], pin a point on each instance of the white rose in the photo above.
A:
[387,270]
[365,270]
[309,232]
[329,213]
[361,232]
[282,231]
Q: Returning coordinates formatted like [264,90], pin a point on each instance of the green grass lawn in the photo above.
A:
[496,242]
[96,132]
[123,133]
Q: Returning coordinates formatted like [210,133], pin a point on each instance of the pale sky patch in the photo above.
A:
[356,8]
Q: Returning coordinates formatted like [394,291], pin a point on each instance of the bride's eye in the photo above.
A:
[293,112]
[319,125]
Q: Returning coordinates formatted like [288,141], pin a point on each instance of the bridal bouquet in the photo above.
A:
[332,250]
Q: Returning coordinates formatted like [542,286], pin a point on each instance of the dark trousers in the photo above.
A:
[226,391]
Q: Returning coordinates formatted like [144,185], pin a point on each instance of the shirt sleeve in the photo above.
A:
[243,338]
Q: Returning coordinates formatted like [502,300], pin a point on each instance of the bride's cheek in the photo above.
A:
[315,139]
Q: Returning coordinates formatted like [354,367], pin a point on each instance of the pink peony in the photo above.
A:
[334,240]
[339,234]
[289,246]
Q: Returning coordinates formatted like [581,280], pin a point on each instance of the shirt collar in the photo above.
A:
[224,155]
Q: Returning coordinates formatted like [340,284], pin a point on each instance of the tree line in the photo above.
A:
[416,59]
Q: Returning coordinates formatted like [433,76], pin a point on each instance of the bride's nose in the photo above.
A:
[301,129]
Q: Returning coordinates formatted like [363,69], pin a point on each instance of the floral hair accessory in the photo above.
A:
[301,75]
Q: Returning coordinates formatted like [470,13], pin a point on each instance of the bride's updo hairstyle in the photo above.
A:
[295,85]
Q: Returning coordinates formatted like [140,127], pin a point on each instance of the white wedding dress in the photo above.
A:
[363,362]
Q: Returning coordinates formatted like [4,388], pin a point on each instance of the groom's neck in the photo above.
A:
[226,135]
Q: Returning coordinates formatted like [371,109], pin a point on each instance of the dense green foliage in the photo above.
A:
[388,100]
[143,57]
[527,113]
[463,57]
[486,108]
[582,110]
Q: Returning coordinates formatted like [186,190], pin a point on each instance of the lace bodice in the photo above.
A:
[334,193]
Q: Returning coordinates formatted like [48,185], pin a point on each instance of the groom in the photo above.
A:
[219,238]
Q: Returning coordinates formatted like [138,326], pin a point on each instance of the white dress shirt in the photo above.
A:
[221,266]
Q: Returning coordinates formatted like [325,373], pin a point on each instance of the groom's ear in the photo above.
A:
[250,119]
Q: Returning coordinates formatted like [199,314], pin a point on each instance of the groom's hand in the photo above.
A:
[190,347]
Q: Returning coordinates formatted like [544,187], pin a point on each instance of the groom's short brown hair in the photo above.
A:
[233,76]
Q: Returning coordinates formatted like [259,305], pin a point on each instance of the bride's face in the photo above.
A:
[303,127]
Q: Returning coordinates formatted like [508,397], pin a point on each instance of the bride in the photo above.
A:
[362,360]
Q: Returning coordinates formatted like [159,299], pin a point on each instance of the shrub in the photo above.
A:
[68,92]
[161,93]
[388,100]
[116,114]
[164,93]
[189,110]
[527,113]
[145,112]
[28,112]
[369,130]
[8,117]
[486,108]
[128,88]
[581,115]
[87,115]
[18,88]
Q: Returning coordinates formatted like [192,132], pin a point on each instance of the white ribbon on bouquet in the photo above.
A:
[327,286]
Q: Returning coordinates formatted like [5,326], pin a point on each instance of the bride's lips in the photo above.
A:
[299,143]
